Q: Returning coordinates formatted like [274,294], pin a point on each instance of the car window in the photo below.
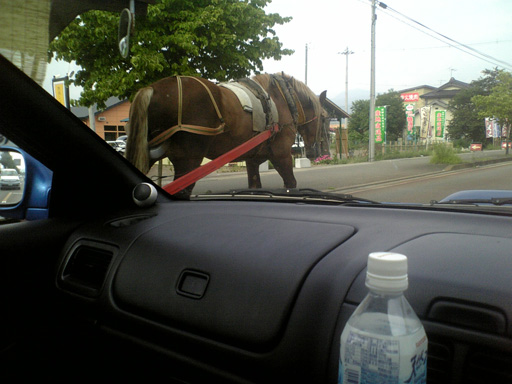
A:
[375,100]
[208,177]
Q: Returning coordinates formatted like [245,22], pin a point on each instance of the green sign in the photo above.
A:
[380,124]
[440,123]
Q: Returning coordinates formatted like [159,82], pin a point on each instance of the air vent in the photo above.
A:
[86,268]
[440,357]
[482,367]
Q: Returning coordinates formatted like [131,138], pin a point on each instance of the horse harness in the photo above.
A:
[292,100]
[285,89]
[262,96]
[160,138]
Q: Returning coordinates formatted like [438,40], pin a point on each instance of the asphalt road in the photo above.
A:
[11,196]
[380,180]
[436,186]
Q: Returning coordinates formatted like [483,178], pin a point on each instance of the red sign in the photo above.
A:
[407,97]
[475,147]
[504,144]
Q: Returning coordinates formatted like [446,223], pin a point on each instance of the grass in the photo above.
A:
[444,154]
[441,154]
[402,154]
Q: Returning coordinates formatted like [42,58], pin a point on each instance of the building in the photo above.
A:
[109,123]
[332,123]
[427,111]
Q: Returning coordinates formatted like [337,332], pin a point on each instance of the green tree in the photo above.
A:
[466,125]
[215,39]
[358,124]
[359,121]
[395,114]
[498,103]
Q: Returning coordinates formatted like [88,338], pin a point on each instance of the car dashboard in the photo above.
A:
[241,291]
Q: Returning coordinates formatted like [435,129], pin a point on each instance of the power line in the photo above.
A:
[445,45]
[456,44]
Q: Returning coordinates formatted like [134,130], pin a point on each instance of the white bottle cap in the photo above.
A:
[387,271]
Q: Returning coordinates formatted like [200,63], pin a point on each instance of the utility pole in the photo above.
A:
[346,52]
[371,139]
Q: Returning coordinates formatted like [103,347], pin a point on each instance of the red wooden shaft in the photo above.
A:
[198,173]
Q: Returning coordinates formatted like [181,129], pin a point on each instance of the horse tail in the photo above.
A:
[137,151]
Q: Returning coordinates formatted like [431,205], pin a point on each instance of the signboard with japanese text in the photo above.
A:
[505,131]
[425,122]
[488,127]
[61,91]
[408,97]
[492,128]
[496,132]
[440,123]
[409,115]
[380,124]
[58,90]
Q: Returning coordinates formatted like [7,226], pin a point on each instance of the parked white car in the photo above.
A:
[9,179]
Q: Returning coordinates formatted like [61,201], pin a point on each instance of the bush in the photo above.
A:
[462,143]
[444,154]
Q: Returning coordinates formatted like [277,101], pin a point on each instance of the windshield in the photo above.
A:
[387,101]
[9,172]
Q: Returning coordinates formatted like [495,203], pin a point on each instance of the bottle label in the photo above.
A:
[368,358]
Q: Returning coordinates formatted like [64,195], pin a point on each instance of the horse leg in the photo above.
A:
[253,173]
[284,166]
[186,151]
[181,168]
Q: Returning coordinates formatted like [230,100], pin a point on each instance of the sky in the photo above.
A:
[406,54]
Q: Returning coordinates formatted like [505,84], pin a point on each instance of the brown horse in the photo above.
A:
[188,118]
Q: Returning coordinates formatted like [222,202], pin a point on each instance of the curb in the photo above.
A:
[454,167]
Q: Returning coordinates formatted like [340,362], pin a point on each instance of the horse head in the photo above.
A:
[311,128]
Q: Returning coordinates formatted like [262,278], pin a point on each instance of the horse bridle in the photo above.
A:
[294,105]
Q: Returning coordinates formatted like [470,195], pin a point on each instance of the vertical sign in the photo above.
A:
[409,114]
[505,131]
[489,128]
[440,123]
[61,91]
[58,92]
[425,122]
[497,130]
[380,124]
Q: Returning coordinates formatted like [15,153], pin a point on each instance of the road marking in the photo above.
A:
[7,198]
[406,180]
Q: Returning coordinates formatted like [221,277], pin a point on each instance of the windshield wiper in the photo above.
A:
[491,201]
[295,193]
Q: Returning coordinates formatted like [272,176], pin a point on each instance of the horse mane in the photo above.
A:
[301,88]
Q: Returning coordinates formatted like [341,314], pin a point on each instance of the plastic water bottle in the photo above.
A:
[384,341]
